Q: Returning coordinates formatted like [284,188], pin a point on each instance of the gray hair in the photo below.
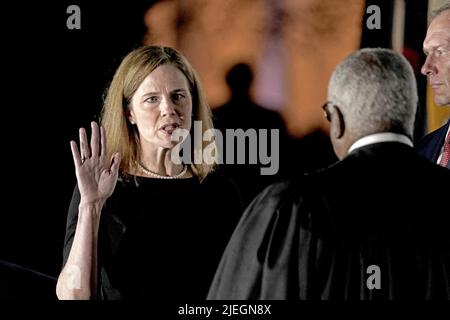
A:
[376,90]
[438,11]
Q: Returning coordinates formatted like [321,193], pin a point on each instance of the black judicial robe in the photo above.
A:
[317,238]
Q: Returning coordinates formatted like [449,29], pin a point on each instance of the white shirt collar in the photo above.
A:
[380,137]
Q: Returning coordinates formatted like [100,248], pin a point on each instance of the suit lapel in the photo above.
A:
[439,139]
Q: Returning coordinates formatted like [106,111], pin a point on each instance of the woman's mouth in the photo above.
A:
[168,128]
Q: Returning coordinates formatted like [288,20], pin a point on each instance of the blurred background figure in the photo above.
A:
[295,155]
[240,112]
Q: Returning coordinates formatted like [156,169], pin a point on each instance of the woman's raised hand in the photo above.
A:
[96,175]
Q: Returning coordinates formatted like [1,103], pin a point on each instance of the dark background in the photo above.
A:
[55,80]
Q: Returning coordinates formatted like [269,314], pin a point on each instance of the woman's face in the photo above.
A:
[161,104]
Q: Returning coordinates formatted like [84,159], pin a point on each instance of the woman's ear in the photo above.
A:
[337,128]
[130,116]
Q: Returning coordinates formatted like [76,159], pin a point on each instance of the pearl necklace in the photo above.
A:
[156,175]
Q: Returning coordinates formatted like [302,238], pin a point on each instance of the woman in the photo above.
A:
[139,224]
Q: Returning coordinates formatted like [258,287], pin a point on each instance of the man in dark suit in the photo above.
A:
[371,226]
[436,145]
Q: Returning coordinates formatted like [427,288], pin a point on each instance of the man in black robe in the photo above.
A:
[374,225]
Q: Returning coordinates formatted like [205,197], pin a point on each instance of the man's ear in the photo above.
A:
[337,128]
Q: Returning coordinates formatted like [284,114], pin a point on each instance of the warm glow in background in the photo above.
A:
[292,47]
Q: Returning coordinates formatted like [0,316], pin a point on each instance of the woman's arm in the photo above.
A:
[78,279]
[96,179]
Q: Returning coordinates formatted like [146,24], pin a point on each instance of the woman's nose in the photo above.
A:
[167,107]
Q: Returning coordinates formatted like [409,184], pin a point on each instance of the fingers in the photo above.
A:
[115,163]
[85,151]
[95,143]
[96,147]
[102,142]
[75,154]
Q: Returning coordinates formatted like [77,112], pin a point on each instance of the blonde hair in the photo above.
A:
[121,135]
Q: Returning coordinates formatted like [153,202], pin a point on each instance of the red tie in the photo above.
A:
[446,153]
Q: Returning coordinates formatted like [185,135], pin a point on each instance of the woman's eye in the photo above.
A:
[152,99]
[177,96]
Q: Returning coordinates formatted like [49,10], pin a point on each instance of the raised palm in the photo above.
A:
[96,175]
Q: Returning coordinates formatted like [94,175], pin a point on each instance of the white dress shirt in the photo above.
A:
[380,137]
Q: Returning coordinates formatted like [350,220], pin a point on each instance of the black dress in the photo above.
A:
[159,238]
